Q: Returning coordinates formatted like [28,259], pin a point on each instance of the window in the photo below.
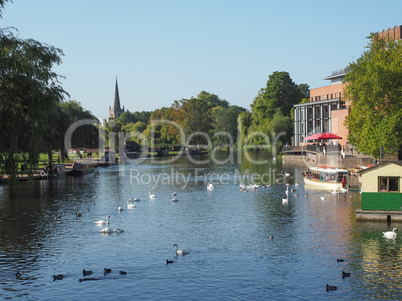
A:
[388,184]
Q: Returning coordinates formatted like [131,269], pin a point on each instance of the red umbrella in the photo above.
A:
[322,136]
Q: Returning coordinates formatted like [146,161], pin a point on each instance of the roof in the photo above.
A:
[399,163]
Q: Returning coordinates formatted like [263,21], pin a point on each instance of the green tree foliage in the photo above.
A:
[224,120]
[272,110]
[280,94]
[29,93]
[212,100]
[373,84]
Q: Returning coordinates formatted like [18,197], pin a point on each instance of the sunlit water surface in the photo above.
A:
[226,231]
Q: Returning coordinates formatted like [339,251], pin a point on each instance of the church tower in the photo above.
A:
[117,110]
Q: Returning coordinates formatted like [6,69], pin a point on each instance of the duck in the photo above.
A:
[120,209]
[180,251]
[123,272]
[306,195]
[40,244]
[174,194]
[58,277]
[86,273]
[271,237]
[136,200]
[331,287]
[340,260]
[390,234]
[297,184]
[57,217]
[102,222]
[77,215]
[169,261]
[152,196]
[173,200]
[344,274]
[18,275]
[107,271]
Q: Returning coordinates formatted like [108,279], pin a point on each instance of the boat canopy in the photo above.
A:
[328,170]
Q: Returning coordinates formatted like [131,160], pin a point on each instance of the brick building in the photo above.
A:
[327,110]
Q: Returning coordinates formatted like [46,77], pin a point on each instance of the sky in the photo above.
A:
[166,50]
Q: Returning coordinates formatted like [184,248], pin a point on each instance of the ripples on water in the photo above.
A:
[225,230]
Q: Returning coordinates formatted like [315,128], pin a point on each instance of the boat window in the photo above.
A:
[388,184]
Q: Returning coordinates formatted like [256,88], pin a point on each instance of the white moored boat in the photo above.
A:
[328,178]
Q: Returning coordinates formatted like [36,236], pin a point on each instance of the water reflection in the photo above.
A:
[227,232]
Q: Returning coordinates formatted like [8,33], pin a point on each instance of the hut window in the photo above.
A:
[388,184]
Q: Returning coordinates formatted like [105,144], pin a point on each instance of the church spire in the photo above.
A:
[116,98]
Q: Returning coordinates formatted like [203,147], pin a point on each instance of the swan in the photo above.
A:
[285,201]
[102,222]
[129,205]
[390,234]
[180,251]
[173,200]
[109,230]
[323,198]
[287,191]
[152,196]
[210,186]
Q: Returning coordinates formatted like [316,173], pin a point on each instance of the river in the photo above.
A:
[227,233]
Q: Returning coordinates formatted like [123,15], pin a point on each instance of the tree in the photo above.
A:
[212,100]
[2,4]
[280,94]
[373,84]
[29,92]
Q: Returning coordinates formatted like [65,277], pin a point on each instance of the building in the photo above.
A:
[327,110]
[381,192]
[325,113]
[116,111]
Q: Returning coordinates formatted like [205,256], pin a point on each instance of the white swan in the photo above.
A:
[323,198]
[173,200]
[390,234]
[287,191]
[285,201]
[152,196]
[102,222]
[109,230]
[129,205]
[180,251]
[210,186]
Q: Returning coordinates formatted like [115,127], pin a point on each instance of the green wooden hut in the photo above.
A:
[381,192]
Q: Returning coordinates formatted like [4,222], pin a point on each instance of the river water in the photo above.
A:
[226,232]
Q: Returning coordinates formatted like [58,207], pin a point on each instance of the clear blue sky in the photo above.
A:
[163,50]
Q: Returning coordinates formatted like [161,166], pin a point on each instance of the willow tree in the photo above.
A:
[374,86]
[29,92]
